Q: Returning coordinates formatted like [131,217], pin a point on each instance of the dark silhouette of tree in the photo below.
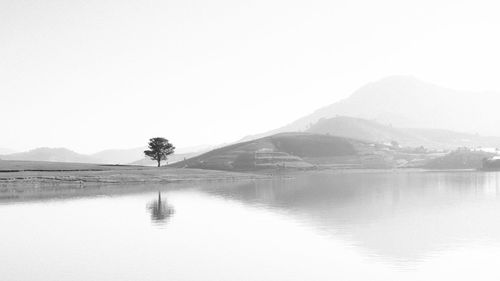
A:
[160,210]
[159,149]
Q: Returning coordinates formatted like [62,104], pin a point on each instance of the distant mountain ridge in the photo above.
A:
[50,154]
[406,102]
[4,150]
[134,156]
[119,156]
[372,131]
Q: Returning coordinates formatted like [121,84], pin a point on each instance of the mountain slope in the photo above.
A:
[372,131]
[407,102]
[50,154]
[358,128]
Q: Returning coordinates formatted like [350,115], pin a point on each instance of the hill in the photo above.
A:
[407,102]
[293,150]
[119,156]
[372,131]
[52,155]
[460,159]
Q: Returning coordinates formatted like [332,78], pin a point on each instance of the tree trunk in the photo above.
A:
[159,163]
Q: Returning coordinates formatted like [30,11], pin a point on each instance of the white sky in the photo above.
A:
[96,74]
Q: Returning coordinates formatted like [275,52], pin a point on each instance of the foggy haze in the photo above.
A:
[92,75]
[249,140]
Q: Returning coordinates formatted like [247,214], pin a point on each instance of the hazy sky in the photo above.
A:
[96,74]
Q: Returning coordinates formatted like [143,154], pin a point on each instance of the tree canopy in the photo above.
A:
[159,149]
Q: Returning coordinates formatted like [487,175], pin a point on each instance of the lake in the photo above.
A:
[312,226]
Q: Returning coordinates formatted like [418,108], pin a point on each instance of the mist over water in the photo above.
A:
[314,226]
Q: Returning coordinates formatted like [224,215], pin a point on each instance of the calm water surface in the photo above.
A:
[376,226]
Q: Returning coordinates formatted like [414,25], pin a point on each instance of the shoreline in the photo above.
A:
[42,180]
[56,181]
[118,174]
[131,176]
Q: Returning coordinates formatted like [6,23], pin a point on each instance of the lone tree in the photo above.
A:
[159,149]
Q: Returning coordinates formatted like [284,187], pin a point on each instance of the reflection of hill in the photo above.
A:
[404,216]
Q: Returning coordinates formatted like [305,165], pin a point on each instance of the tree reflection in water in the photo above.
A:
[160,210]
